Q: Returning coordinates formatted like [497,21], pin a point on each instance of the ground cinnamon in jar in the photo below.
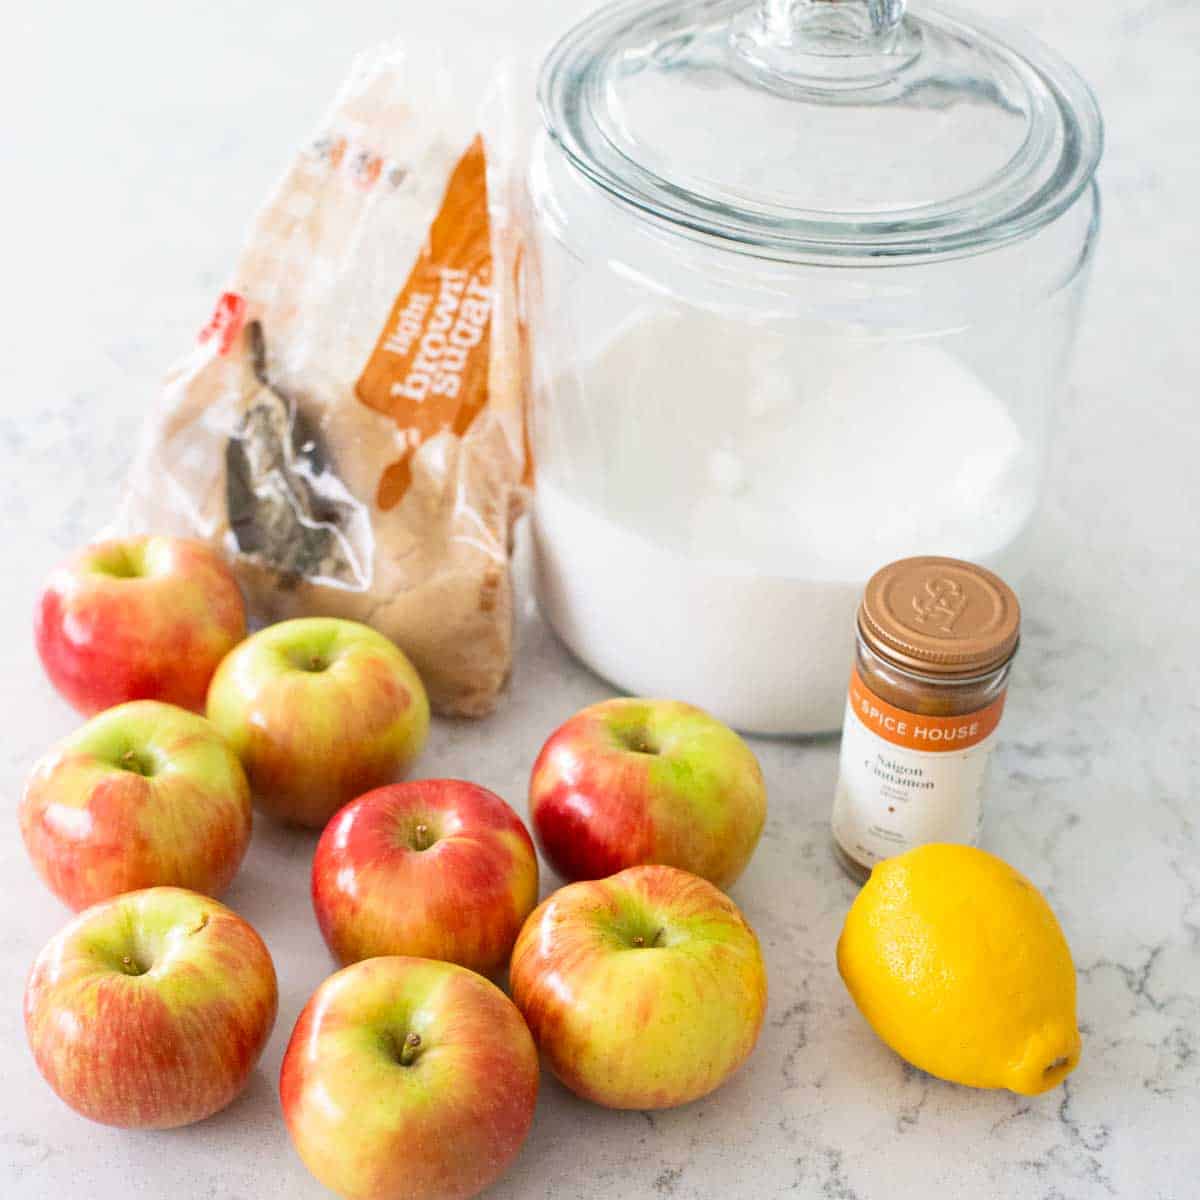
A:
[936,639]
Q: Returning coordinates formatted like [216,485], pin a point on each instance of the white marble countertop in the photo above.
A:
[138,139]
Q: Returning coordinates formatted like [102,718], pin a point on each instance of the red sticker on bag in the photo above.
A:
[226,322]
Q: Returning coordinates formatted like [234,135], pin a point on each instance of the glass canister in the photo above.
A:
[807,278]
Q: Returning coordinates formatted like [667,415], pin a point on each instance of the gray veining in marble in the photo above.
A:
[138,138]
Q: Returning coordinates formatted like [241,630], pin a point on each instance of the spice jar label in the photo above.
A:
[907,778]
[915,731]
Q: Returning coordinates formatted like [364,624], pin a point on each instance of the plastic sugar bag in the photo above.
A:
[349,429]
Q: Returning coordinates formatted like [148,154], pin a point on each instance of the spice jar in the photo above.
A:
[782,247]
[936,639]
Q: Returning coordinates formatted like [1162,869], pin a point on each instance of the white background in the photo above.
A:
[137,140]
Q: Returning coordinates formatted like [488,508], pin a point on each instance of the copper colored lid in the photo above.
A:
[940,616]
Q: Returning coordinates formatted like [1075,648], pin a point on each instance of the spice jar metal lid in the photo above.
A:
[940,616]
[850,131]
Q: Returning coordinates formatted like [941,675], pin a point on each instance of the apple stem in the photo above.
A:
[639,941]
[412,1043]
[421,837]
[132,761]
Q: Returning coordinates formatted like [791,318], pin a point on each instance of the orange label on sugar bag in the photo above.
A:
[429,369]
[916,732]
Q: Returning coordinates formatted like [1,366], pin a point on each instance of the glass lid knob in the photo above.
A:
[825,45]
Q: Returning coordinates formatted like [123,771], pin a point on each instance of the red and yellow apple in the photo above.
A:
[627,782]
[407,1079]
[319,710]
[144,618]
[436,868]
[150,1010]
[145,794]
[645,990]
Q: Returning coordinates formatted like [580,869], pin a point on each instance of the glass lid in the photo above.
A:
[817,129]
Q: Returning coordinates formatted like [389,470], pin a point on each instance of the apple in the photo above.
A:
[627,782]
[319,710]
[645,990]
[150,1010]
[407,1078]
[143,618]
[436,868]
[144,794]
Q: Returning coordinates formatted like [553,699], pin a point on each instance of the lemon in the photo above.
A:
[959,965]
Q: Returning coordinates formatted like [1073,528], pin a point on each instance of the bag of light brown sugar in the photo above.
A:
[349,427]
